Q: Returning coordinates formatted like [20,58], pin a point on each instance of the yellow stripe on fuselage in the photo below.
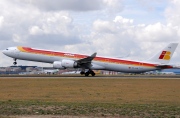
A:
[21,49]
[79,56]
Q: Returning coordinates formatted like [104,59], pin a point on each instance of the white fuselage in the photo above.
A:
[98,63]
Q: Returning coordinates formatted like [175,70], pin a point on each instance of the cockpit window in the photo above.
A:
[6,49]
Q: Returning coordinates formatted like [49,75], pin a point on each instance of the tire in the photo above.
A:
[15,63]
[92,73]
[82,73]
[87,74]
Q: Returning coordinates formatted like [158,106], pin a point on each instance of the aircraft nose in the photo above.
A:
[5,51]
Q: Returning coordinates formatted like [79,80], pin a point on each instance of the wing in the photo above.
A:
[86,62]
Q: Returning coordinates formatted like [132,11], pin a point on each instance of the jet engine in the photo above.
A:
[58,65]
[65,64]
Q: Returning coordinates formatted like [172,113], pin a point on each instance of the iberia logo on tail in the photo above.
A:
[165,55]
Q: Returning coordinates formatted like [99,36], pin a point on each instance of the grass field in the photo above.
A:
[90,97]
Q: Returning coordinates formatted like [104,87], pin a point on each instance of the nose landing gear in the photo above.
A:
[14,63]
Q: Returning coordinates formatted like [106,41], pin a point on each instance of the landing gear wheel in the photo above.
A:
[90,72]
[82,72]
[15,63]
[87,73]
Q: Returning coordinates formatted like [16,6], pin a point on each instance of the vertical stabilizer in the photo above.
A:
[164,56]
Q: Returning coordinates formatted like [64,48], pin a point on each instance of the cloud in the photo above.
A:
[172,13]
[52,40]
[156,32]
[103,26]
[26,25]
[113,5]
[152,5]
[122,20]
[1,21]
[122,36]
[35,30]
[74,5]
[58,5]
[83,26]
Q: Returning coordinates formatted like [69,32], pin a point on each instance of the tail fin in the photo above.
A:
[164,56]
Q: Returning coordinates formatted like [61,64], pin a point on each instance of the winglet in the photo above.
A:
[87,59]
[94,55]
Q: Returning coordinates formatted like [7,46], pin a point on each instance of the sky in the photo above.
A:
[113,28]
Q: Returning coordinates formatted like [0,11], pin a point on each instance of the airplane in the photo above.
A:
[71,72]
[50,71]
[63,60]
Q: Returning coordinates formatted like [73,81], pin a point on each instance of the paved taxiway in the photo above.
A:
[97,77]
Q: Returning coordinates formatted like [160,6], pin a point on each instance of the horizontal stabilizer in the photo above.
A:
[164,66]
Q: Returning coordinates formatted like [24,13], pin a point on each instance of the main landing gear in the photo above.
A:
[87,73]
[14,63]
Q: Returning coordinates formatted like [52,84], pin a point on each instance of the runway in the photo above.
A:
[95,77]
[44,94]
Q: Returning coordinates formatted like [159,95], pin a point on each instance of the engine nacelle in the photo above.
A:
[58,65]
[69,63]
[65,64]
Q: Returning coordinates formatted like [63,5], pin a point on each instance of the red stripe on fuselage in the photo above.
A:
[78,56]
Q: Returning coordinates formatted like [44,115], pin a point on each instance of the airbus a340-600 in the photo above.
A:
[63,60]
